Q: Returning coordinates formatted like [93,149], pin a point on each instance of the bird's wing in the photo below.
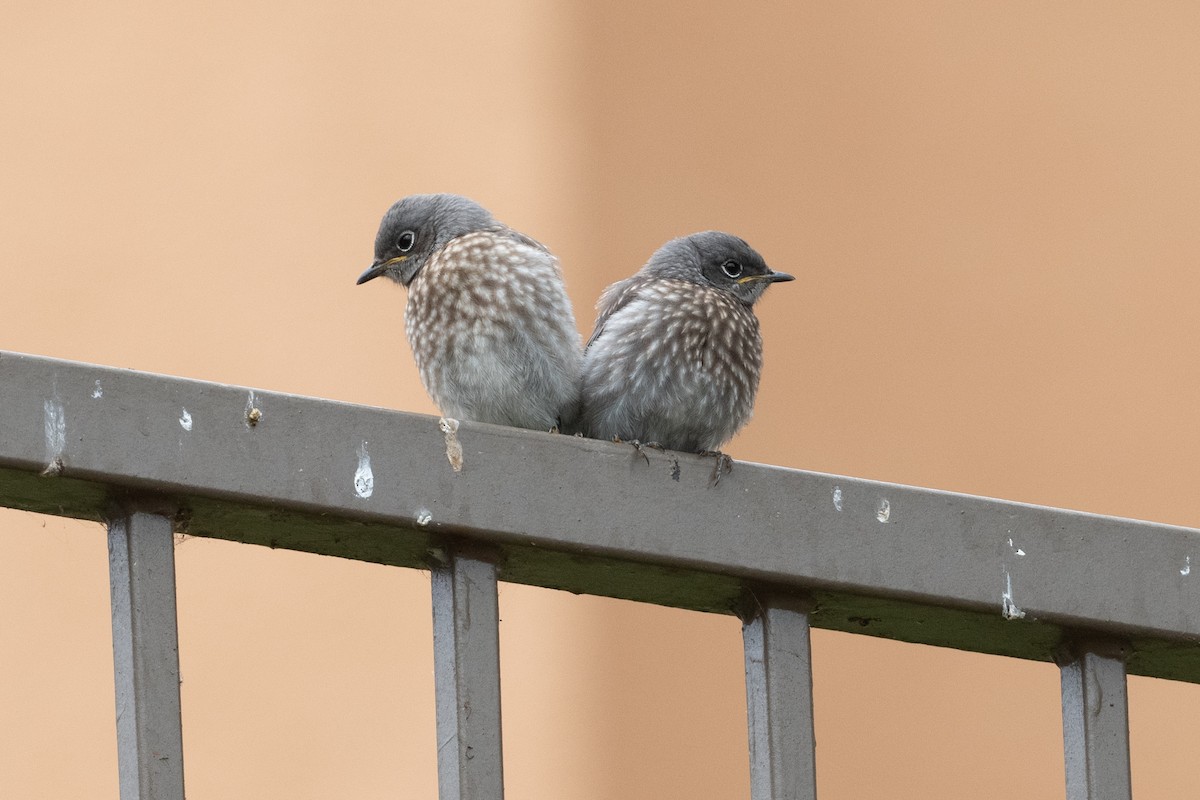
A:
[612,300]
[527,240]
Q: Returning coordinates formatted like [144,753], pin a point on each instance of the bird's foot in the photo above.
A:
[640,447]
[723,465]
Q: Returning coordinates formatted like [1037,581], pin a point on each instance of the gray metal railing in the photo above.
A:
[784,549]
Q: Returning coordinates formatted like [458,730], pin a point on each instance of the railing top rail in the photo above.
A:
[338,479]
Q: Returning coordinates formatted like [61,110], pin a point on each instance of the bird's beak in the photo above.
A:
[771,277]
[377,269]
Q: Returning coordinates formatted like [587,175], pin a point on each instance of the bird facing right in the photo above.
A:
[676,354]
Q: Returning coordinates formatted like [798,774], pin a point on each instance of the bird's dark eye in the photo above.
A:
[732,269]
[405,242]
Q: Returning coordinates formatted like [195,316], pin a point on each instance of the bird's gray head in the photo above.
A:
[416,227]
[713,258]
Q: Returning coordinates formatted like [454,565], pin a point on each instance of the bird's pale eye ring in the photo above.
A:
[405,242]
[732,269]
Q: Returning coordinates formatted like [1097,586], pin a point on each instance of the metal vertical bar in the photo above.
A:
[1095,705]
[466,654]
[141,564]
[779,700]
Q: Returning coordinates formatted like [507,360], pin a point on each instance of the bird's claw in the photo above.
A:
[723,465]
[640,447]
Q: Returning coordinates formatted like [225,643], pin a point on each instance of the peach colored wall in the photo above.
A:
[991,208]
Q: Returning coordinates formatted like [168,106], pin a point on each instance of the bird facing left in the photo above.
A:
[488,318]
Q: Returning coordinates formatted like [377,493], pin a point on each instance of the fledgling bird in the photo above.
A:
[675,357]
[488,317]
